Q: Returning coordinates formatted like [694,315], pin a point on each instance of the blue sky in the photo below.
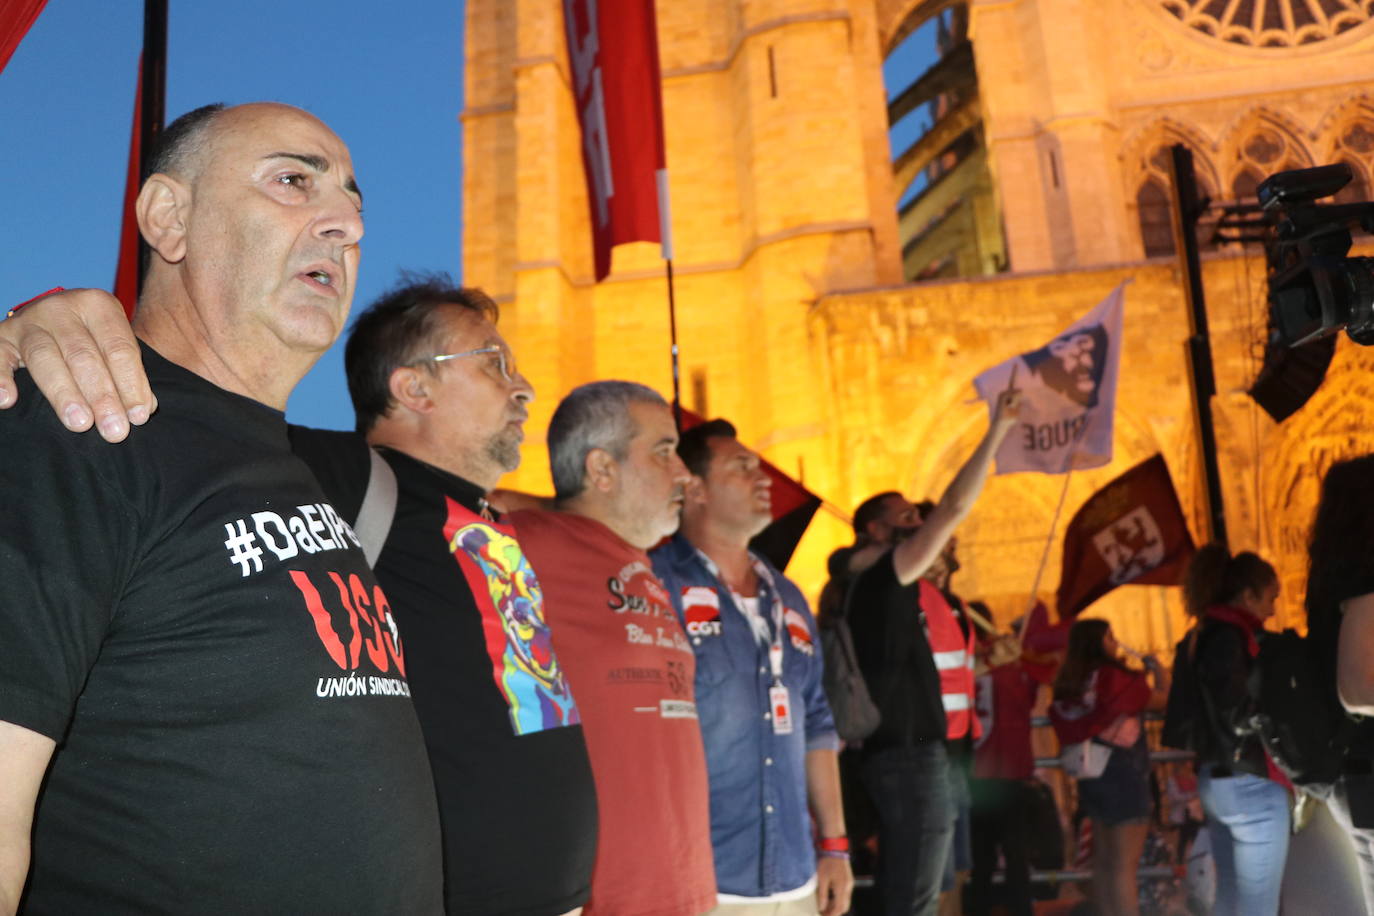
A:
[390,84]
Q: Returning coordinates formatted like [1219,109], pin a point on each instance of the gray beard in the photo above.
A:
[504,449]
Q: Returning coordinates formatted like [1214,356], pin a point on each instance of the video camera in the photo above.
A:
[1314,288]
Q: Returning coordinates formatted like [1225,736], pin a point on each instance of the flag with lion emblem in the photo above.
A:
[1131,532]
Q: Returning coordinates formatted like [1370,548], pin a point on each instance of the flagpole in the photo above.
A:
[1054,526]
[1045,554]
[672,333]
[665,235]
[154,84]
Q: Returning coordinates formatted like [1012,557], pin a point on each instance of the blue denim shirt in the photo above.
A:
[760,823]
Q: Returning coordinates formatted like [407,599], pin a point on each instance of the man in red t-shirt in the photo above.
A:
[619,486]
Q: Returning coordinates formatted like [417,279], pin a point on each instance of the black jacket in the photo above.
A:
[1210,701]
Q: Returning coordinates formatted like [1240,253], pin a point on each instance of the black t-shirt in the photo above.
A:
[894,656]
[190,620]
[516,798]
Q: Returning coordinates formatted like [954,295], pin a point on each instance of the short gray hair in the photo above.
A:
[594,415]
[179,148]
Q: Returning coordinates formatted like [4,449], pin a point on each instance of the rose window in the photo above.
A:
[1271,23]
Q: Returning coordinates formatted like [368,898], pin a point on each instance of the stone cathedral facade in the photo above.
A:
[841,334]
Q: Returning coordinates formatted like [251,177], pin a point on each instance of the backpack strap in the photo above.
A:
[378,509]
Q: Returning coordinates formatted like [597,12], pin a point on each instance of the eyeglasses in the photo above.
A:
[505,364]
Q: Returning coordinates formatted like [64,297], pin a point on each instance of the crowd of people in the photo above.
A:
[248,666]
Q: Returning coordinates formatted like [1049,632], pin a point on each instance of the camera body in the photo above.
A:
[1315,288]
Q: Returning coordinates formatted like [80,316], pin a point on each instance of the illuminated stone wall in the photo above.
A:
[783,212]
[899,366]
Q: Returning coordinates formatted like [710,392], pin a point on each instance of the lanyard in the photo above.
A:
[773,640]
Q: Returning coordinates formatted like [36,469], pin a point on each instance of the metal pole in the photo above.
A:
[672,331]
[154,82]
[1186,212]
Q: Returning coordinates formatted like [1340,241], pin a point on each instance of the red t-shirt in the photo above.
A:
[1111,692]
[1005,697]
[631,668]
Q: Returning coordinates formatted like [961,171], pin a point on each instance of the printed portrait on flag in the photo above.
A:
[1073,365]
[1068,395]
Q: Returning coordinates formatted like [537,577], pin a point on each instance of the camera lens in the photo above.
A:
[1296,313]
[1358,291]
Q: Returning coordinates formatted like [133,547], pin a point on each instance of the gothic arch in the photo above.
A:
[1145,174]
[1334,425]
[1255,145]
[1014,511]
[899,18]
[1353,106]
[1346,134]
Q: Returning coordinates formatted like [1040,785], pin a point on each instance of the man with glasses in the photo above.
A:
[437,394]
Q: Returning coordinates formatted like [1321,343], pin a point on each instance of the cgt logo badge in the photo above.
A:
[798,631]
[701,611]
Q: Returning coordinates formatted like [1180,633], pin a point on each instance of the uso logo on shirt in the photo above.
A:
[799,631]
[701,611]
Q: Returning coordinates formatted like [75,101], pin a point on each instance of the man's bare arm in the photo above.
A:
[514,500]
[83,356]
[834,878]
[1355,655]
[24,757]
[913,557]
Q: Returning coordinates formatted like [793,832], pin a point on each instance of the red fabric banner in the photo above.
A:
[16,18]
[613,55]
[126,270]
[1131,532]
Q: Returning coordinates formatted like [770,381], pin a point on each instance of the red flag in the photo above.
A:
[16,18]
[793,507]
[126,270]
[1132,531]
[613,53]
[1043,644]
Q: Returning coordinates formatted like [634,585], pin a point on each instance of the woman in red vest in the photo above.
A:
[1096,715]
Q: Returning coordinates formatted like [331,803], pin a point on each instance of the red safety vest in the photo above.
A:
[952,650]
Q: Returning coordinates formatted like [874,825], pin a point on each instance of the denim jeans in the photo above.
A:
[1247,817]
[910,789]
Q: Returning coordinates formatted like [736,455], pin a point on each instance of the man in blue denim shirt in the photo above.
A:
[770,740]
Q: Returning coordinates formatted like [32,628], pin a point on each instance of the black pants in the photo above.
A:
[910,789]
[1001,814]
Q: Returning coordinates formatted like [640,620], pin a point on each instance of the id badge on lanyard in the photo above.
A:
[779,702]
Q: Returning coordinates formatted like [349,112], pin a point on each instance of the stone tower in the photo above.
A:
[781,192]
[794,318]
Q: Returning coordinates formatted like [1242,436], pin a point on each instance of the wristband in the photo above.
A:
[833,854]
[833,844]
[56,289]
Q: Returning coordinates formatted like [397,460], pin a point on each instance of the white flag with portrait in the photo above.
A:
[1068,395]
